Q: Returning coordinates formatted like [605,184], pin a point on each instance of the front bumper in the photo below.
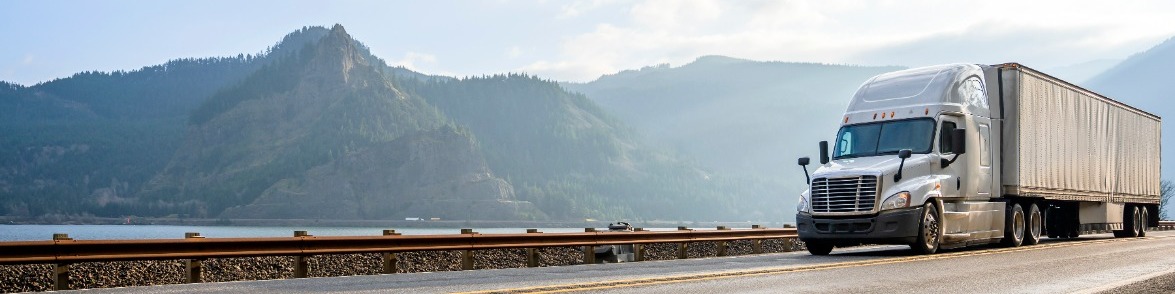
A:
[888,227]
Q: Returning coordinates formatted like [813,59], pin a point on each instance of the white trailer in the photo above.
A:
[964,154]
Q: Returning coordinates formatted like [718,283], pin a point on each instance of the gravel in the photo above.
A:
[38,277]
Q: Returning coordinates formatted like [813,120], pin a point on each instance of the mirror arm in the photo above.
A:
[945,163]
[806,176]
[898,175]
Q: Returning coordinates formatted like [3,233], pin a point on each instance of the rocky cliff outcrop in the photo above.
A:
[323,134]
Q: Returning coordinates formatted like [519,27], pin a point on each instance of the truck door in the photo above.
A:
[983,144]
[971,173]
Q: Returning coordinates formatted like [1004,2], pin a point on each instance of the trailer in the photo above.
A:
[964,154]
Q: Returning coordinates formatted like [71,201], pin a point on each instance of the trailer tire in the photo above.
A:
[1134,222]
[1014,226]
[816,248]
[1144,222]
[1033,224]
[1130,223]
[929,230]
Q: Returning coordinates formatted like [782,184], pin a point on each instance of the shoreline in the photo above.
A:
[440,224]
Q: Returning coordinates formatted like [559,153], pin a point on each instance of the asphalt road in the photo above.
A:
[1092,264]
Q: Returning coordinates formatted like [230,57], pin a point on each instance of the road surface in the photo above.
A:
[1091,264]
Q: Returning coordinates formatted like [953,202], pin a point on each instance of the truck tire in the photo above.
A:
[816,248]
[1144,221]
[929,231]
[1129,223]
[1033,225]
[1013,226]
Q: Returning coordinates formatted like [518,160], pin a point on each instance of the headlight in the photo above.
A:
[899,200]
[803,205]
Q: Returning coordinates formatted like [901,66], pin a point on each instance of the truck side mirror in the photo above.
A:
[823,152]
[959,141]
[804,163]
[905,153]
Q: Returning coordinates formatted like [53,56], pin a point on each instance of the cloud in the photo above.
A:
[28,59]
[991,43]
[514,52]
[413,60]
[576,8]
[912,32]
[566,70]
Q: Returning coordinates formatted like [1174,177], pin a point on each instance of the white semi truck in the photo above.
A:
[963,154]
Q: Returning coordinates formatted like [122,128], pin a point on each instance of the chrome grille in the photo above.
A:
[856,194]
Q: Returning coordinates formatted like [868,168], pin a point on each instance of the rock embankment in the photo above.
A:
[38,277]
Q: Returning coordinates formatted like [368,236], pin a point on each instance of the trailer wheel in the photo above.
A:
[1074,229]
[929,231]
[1014,226]
[1144,221]
[1032,230]
[1130,223]
[816,248]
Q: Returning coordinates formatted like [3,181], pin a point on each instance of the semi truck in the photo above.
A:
[957,155]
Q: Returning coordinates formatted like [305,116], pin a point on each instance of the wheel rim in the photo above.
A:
[1018,225]
[930,228]
[1035,228]
[1137,222]
[1142,221]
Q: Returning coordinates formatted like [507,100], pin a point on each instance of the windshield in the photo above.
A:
[884,138]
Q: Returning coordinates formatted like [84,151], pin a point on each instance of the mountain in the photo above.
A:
[318,127]
[74,145]
[1144,81]
[571,158]
[746,119]
[324,134]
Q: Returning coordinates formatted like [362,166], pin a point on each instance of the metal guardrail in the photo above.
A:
[63,250]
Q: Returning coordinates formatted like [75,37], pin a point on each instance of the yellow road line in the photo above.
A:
[785,269]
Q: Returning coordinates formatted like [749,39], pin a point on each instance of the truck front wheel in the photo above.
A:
[816,248]
[1014,226]
[929,231]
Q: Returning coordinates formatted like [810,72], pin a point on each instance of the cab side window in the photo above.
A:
[944,142]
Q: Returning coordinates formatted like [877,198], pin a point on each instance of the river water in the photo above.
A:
[104,232]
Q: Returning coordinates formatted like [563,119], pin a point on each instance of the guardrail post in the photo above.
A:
[300,264]
[467,255]
[722,244]
[390,261]
[757,244]
[61,270]
[638,250]
[589,252]
[683,247]
[532,254]
[193,269]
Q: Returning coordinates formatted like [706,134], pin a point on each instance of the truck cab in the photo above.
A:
[900,150]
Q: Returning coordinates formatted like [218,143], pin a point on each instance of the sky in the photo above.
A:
[581,40]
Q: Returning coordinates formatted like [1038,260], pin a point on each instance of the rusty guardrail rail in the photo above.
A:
[63,250]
